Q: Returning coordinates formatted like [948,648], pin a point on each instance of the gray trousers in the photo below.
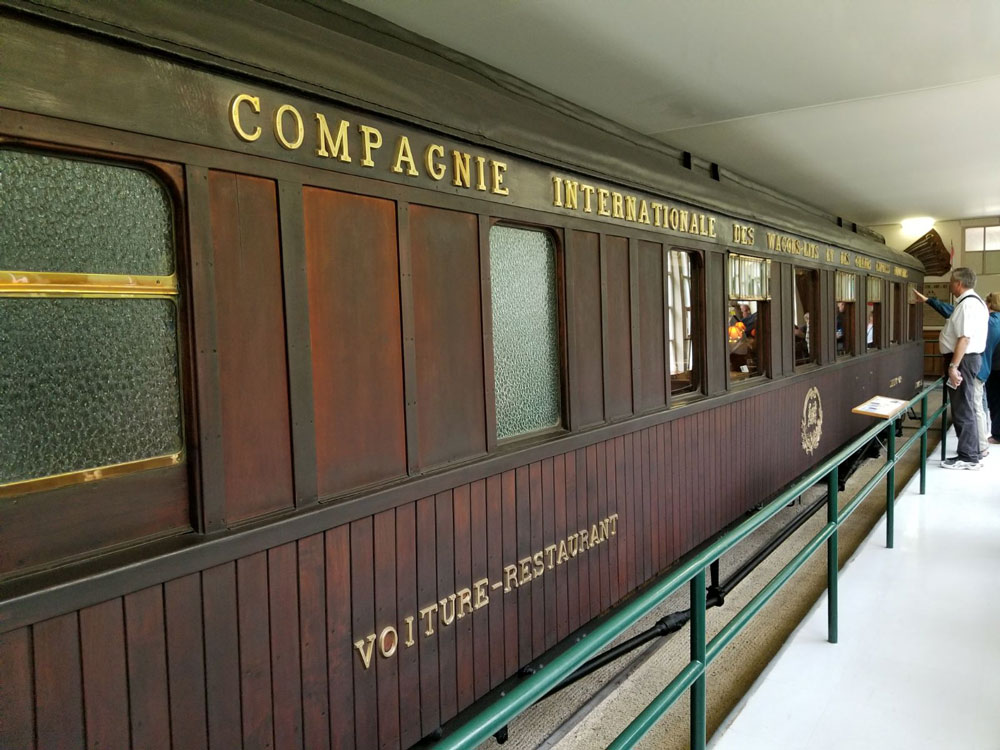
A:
[963,407]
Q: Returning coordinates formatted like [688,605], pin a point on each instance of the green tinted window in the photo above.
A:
[525,331]
[62,215]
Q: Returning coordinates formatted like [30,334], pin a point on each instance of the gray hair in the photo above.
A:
[966,276]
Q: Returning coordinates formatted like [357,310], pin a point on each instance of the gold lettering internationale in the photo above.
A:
[449,609]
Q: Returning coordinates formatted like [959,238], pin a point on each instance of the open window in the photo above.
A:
[844,320]
[747,333]
[874,322]
[805,318]
[685,375]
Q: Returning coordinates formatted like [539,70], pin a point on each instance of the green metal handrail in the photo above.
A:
[532,689]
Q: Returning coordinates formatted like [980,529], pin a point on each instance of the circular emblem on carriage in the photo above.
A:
[812,420]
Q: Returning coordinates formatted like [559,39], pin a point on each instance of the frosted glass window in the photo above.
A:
[974,240]
[86,383]
[68,216]
[525,331]
[993,238]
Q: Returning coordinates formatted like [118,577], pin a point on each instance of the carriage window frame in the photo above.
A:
[809,340]
[18,284]
[561,425]
[875,309]
[912,312]
[748,279]
[845,319]
[688,314]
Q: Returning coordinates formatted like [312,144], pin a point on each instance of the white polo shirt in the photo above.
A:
[970,318]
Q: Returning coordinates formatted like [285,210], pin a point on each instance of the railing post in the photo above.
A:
[699,705]
[944,419]
[832,557]
[890,484]
[923,445]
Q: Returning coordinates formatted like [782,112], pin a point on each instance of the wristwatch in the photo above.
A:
[952,367]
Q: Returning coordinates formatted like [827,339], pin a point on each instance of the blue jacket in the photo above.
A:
[992,334]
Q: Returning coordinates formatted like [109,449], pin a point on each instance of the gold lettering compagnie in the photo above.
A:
[364,144]
[574,195]
[429,620]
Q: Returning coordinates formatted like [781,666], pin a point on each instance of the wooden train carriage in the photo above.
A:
[343,377]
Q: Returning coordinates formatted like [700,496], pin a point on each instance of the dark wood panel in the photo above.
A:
[355,331]
[602,513]
[465,656]
[255,651]
[573,564]
[449,335]
[222,658]
[618,316]
[537,584]
[523,551]
[624,521]
[444,517]
[186,662]
[582,520]
[253,367]
[105,681]
[74,520]
[591,555]
[286,665]
[342,655]
[17,710]
[430,674]
[654,502]
[312,634]
[653,383]
[146,652]
[407,605]
[583,282]
[58,683]
[363,625]
[387,669]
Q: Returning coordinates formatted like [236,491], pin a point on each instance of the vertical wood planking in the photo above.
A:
[524,609]
[366,713]
[482,664]
[559,501]
[222,659]
[573,564]
[407,605]
[186,662]
[654,500]
[146,656]
[582,516]
[630,521]
[386,668]
[593,555]
[312,636]
[447,652]
[255,651]
[548,541]
[286,655]
[342,656]
[647,502]
[602,513]
[634,332]
[58,684]
[105,681]
[464,653]
[408,325]
[511,619]
[667,500]
[17,687]
[537,582]
[430,674]
[494,566]
[624,520]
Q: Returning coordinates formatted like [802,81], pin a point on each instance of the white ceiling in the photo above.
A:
[874,110]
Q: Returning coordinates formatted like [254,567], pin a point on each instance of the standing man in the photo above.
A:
[962,341]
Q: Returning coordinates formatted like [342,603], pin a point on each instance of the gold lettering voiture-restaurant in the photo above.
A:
[364,144]
[429,620]
[574,195]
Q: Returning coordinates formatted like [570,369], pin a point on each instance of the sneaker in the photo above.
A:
[960,464]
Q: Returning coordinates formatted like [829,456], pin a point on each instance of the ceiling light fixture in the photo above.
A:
[917,226]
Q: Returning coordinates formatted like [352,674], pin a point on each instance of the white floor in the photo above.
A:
[918,660]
